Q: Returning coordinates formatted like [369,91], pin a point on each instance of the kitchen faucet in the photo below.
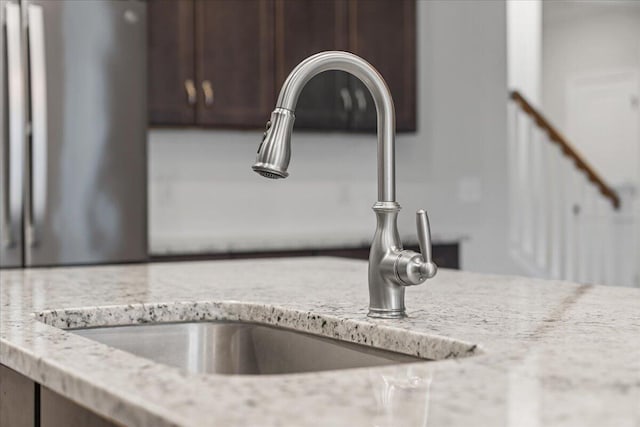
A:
[391,268]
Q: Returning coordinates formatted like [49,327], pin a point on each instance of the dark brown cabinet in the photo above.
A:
[25,403]
[302,29]
[220,63]
[384,33]
[210,63]
[234,62]
[171,74]
[58,411]
[445,255]
[17,399]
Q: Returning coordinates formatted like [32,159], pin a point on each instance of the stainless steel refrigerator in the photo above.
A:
[73,132]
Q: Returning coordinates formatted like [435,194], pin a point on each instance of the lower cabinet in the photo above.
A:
[445,255]
[58,411]
[25,403]
[17,399]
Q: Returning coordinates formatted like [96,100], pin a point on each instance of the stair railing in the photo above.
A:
[561,209]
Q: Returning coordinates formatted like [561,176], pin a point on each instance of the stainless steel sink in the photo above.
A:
[240,348]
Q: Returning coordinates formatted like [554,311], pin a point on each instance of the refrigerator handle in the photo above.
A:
[16,123]
[38,88]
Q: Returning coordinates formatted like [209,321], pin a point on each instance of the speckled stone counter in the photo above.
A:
[509,351]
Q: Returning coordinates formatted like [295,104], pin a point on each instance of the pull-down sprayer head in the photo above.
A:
[274,152]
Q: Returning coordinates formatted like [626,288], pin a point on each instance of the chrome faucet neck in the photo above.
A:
[361,69]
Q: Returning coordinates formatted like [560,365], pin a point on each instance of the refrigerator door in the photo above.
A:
[12,134]
[86,200]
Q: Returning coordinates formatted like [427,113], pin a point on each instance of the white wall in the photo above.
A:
[524,48]
[204,196]
[583,39]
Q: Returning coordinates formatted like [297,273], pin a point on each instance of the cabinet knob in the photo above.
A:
[208,93]
[362,100]
[190,87]
[347,103]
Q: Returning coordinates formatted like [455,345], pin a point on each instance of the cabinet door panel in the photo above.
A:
[304,28]
[58,411]
[383,32]
[235,62]
[17,399]
[171,62]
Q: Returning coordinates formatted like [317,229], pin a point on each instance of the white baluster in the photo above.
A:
[556,189]
[570,230]
[541,208]
[526,175]
[534,191]
[608,245]
[599,272]
[623,241]
[591,232]
[582,230]
[515,219]
[604,204]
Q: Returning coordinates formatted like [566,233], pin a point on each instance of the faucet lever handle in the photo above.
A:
[429,269]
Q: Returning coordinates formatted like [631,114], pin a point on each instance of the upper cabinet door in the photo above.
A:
[303,28]
[220,63]
[235,58]
[171,77]
[384,33]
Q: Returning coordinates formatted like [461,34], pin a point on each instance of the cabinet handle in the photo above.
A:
[39,143]
[191,91]
[14,146]
[361,99]
[208,93]
[347,103]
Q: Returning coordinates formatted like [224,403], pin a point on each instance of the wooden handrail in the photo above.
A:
[556,137]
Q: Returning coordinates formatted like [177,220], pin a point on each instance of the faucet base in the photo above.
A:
[386,293]
[380,313]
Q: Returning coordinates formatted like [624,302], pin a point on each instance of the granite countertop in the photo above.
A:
[511,351]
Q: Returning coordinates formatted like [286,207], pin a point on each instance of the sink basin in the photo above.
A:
[240,348]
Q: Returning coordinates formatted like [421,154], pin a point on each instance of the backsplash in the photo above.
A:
[204,195]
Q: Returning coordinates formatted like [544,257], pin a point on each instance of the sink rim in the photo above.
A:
[391,335]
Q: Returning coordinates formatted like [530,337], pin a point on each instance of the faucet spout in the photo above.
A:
[281,123]
[391,268]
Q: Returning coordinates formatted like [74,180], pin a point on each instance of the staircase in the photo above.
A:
[561,211]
